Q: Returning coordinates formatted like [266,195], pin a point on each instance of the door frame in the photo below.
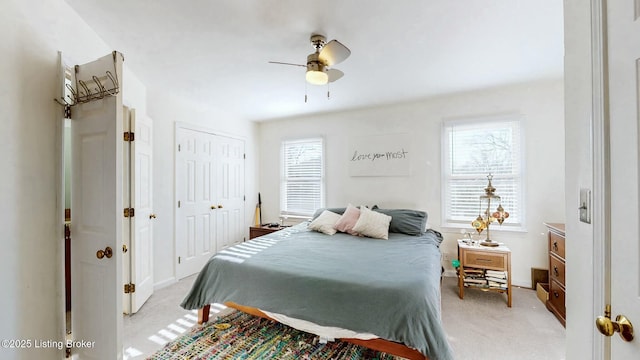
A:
[178,125]
[60,198]
[600,174]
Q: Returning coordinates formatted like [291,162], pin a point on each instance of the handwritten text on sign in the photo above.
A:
[379,155]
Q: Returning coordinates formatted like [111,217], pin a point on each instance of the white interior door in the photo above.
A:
[96,222]
[195,220]
[140,247]
[230,191]
[624,84]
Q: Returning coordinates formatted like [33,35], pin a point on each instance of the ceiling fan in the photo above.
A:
[319,64]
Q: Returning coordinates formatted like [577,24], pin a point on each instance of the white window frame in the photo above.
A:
[513,223]
[320,178]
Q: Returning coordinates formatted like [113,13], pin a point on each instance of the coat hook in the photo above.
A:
[87,94]
[114,81]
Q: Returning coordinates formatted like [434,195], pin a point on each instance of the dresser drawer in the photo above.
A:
[485,260]
[557,269]
[556,298]
[556,244]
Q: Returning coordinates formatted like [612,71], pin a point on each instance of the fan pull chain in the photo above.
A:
[305,92]
[328,95]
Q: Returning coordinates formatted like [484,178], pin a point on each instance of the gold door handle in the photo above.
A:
[152,216]
[219,206]
[608,327]
[213,207]
[108,252]
[124,248]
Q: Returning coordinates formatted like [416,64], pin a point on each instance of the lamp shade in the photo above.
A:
[317,77]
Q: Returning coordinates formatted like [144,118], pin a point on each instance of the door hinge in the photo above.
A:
[67,352]
[67,111]
[244,156]
[129,288]
[129,136]
[179,259]
[178,147]
[129,212]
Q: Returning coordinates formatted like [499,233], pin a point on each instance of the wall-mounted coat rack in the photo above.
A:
[89,89]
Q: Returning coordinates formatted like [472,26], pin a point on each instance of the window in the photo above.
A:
[302,185]
[471,150]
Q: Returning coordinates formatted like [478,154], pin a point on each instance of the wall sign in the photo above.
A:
[379,155]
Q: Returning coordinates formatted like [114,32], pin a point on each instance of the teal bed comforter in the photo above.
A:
[390,288]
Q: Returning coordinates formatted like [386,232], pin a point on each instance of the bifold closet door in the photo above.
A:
[195,212]
[230,193]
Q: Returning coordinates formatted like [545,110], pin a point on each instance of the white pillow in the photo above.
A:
[373,224]
[325,222]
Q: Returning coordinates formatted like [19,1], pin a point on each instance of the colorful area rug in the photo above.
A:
[242,336]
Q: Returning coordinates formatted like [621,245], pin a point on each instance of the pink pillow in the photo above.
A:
[348,220]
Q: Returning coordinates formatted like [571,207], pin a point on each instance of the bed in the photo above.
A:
[386,289]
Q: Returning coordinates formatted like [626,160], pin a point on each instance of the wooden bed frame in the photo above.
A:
[386,346]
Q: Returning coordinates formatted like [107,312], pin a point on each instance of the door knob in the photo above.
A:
[124,248]
[108,252]
[213,207]
[152,216]
[219,206]
[608,327]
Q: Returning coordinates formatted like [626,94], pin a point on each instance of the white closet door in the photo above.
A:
[141,250]
[96,223]
[230,192]
[195,217]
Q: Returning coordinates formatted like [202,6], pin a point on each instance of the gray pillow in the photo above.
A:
[319,211]
[405,221]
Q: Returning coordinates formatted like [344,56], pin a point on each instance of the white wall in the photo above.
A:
[166,110]
[540,103]
[32,250]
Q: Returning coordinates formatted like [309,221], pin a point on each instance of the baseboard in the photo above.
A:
[450,273]
[164,283]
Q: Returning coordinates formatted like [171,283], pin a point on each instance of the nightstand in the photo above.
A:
[255,231]
[484,268]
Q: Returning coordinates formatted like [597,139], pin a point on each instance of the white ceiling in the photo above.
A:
[217,51]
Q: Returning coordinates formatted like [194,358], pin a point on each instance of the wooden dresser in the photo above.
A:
[557,265]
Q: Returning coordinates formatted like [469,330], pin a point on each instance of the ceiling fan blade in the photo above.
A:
[284,63]
[333,53]
[334,74]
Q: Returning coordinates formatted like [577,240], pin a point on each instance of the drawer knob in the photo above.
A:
[555,270]
[555,246]
[556,294]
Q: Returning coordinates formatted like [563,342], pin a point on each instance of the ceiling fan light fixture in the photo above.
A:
[316,77]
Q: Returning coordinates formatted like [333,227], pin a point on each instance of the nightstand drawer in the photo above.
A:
[557,269]
[485,260]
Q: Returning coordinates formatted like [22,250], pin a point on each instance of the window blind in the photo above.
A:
[302,185]
[471,150]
